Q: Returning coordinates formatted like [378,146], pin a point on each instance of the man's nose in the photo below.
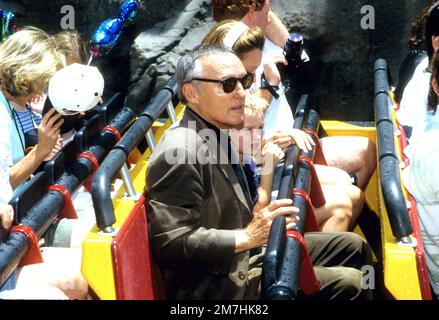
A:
[240,91]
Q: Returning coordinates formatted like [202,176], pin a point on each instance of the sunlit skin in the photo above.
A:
[262,18]
[224,110]
[251,60]
[250,137]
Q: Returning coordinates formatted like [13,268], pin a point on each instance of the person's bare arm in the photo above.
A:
[272,75]
[271,155]
[48,135]
[265,188]
[276,30]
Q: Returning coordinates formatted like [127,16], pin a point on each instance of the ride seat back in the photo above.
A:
[111,107]
[88,133]
[29,195]
[136,275]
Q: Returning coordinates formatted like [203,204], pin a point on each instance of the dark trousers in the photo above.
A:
[337,259]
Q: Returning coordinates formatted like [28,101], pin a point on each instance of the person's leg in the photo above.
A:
[336,214]
[338,259]
[337,283]
[352,154]
[358,199]
[342,208]
[44,292]
[345,249]
[61,269]
[332,175]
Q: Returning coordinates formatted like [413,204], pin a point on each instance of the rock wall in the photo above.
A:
[343,53]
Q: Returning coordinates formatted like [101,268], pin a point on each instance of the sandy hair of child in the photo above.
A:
[255,103]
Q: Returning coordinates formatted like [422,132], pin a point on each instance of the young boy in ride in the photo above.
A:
[252,152]
[334,216]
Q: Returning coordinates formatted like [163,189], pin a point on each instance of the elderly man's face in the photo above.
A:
[224,110]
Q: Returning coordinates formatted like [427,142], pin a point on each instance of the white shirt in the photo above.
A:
[5,162]
[278,115]
[414,102]
[421,179]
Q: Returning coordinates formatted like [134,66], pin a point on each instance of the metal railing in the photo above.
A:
[116,160]
[389,163]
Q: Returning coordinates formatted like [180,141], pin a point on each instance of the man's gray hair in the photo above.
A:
[188,66]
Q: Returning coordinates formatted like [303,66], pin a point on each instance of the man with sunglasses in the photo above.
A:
[204,232]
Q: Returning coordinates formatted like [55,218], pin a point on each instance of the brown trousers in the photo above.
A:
[337,259]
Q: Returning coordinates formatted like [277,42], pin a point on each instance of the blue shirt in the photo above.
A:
[27,120]
[14,141]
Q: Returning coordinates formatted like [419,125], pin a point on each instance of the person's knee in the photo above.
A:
[331,175]
[342,176]
[344,210]
[356,195]
[349,287]
[358,250]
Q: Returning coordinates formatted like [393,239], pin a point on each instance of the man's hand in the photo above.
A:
[6,216]
[48,133]
[257,231]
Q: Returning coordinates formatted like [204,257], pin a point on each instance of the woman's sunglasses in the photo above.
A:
[229,84]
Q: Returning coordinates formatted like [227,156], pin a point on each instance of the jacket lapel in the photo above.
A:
[231,177]
[222,163]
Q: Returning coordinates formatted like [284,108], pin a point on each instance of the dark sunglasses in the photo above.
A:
[229,84]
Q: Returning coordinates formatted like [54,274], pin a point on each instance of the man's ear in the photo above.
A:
[435,42]
[191,93]
[435,86]
[249,18]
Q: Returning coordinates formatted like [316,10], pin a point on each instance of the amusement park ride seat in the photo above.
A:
[117,261]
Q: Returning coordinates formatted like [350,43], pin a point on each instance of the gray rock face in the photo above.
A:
[155,52]
[342,52]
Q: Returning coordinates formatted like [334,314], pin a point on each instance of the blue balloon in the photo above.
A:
[109,31]
[128,12]
[106,36]
[7,24]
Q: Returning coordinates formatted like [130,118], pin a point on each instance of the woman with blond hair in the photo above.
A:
[28,59]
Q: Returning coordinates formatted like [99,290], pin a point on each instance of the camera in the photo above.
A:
[298,60]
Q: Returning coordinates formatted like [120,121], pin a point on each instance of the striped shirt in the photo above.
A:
[27,120]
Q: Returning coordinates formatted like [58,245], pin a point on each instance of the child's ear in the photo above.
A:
[36,99]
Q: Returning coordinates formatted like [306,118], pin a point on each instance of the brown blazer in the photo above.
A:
[193,209]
